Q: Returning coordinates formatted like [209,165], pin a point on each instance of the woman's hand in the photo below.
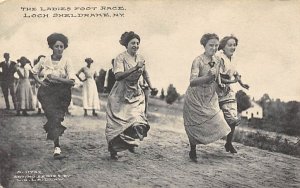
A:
[71,82]
[212,71]
[79,78]
[51,77]
[121,75]
[246,86]
[140,64]
[237,78]
[42,83]
[56,79]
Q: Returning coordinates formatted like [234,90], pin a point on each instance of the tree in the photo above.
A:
[162,94]
[172,94]
[154,92]
[292,118]
[280,116]
[264,100]
[243,101]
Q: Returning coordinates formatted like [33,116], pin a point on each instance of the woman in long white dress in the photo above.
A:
[90,97]
[24,92]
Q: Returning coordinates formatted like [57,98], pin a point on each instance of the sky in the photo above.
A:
[268,31]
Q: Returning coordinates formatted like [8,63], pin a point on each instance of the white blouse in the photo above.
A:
[124,61]
[62,68]
[228,66]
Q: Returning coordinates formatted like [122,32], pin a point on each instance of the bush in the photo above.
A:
[172,94]
[264,141]
[243,101]
[153,92]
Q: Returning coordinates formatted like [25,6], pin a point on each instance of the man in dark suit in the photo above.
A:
[7,83]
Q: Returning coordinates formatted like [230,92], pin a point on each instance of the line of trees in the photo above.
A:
[281,116]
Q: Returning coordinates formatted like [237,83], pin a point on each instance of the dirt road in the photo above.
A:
[160,161]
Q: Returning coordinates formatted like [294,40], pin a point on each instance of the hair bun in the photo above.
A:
[128,36]
[89,60]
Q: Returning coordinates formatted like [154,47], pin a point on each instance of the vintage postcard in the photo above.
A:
[157,52]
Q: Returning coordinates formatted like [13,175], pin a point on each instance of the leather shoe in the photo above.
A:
[230,148]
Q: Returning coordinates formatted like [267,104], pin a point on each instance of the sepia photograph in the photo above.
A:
[149,93]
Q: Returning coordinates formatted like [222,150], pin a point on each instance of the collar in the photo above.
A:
[208,59]
[225,58]
[49,59]
[131,55]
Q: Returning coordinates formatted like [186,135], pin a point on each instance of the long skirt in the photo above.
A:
[90,97]
[55,100]
[125,114]
[24,95]
[204,121]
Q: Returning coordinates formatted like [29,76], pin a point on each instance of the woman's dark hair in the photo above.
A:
[40,56]
[224,40]
[38,59]
[89,60]
[23,60]
[54,37]
[206,37]
[128,36]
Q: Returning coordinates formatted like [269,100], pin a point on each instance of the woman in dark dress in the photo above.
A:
[55,90]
